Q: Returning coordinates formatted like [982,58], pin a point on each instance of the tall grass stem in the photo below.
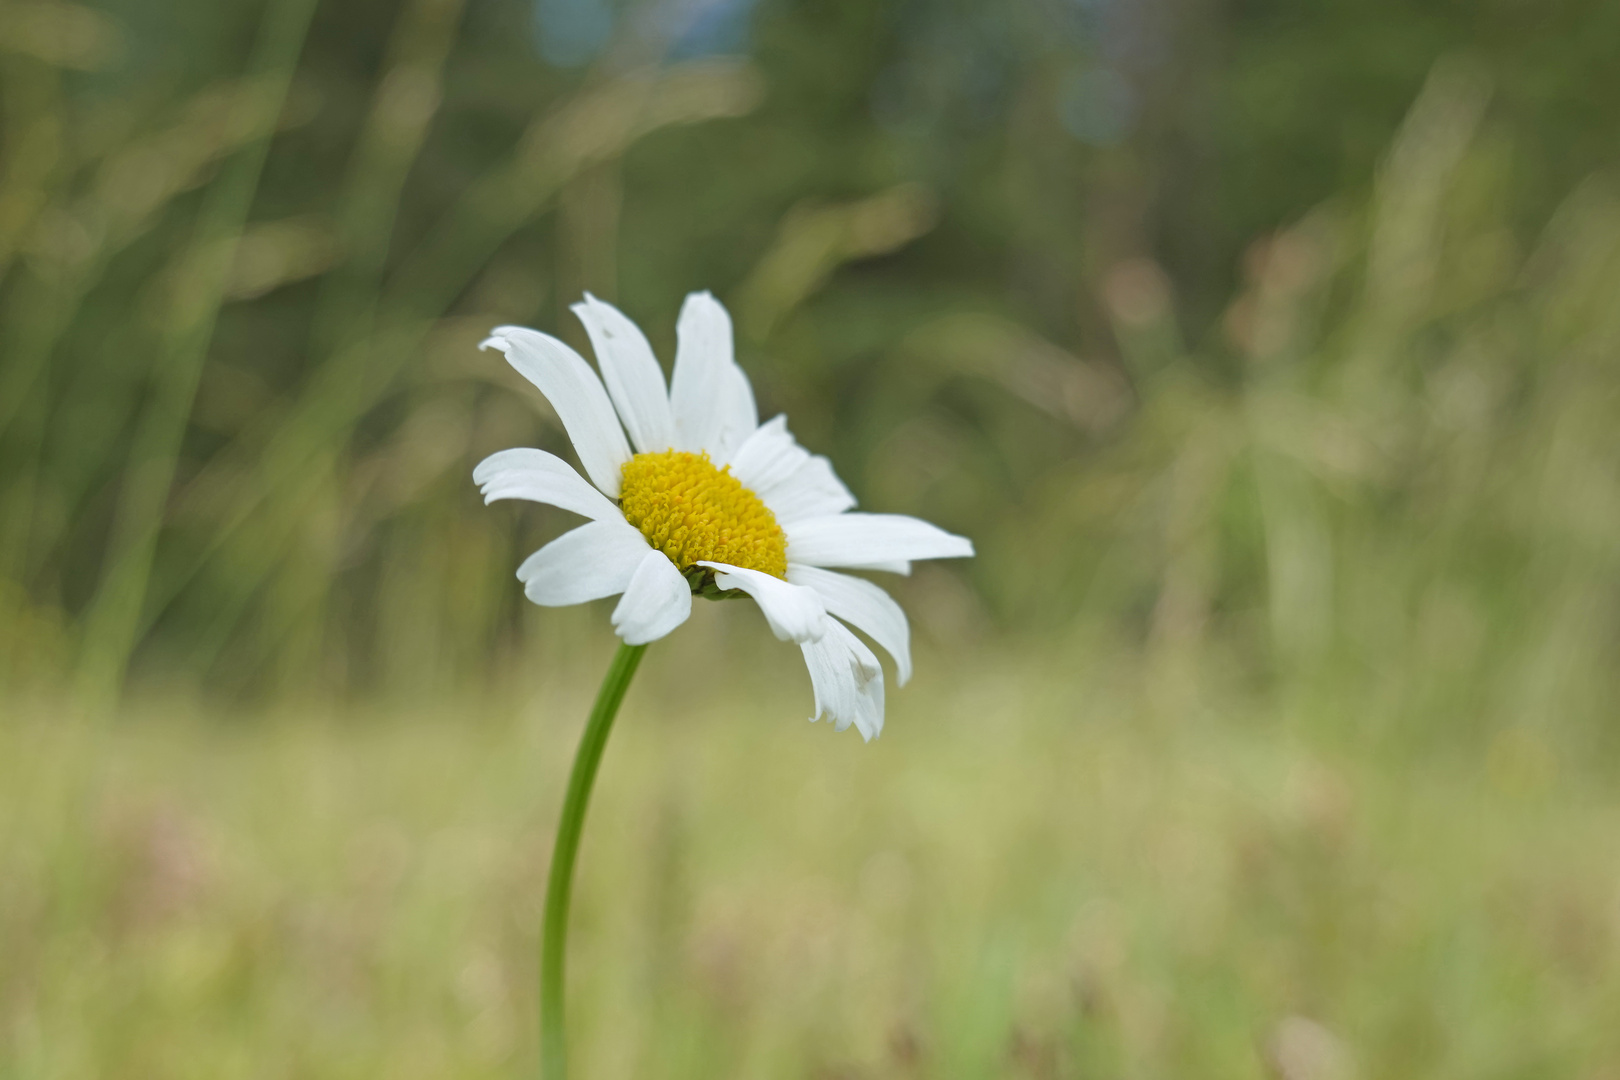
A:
[554,935]
[113,623]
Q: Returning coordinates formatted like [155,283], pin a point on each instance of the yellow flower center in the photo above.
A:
[694,512]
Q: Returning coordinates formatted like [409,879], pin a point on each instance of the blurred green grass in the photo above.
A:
[1271,734]
[1032,874]
[241,298]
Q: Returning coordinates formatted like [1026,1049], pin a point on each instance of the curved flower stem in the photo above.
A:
[554,934]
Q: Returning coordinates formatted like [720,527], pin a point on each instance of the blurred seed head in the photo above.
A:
[1137,292]
[1302,1049]
[600,124]
[406,101]
[1091,396]
[1281,271]
[63,35]
[278,253]
[61,242]
[815,239]
[162,860]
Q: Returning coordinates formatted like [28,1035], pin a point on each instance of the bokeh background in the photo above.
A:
[1269,352]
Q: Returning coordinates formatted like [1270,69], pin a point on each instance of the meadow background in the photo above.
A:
[1269,352]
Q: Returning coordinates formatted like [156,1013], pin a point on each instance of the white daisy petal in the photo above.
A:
[709,407]
[868,676]
[794,613]
[631,374]
[866,607]
[813,490]
[588,563]
[739,416]
[535,475]
[847,680]
[768,457]
[868,539]
[699,389]
[835,691]
[575,392]
[657,600]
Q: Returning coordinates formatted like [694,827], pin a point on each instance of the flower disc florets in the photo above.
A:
[694,512]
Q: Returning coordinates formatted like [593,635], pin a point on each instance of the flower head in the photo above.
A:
[689,493]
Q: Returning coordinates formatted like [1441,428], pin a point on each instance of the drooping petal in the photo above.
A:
[525,473]
[588,563]
[847,680]
[631,373]
[835,691]
[868,675]
[868,539]
[813,490]
[768,456]
[699,388]
[575,392]
[794,613]
[657,600]
[866,607]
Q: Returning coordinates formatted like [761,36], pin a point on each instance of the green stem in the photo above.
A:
[554,935]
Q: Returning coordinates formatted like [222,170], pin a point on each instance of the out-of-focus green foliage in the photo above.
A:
[976,254]
[1269,352]
[1033,875]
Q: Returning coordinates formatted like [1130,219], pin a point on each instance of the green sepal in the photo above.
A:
[701,579]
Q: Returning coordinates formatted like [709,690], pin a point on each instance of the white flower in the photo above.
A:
[703,498]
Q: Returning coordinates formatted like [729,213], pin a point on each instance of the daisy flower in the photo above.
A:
[688,494]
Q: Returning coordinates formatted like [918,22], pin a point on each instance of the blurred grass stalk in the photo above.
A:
[72,241]
[284,471]
[1393,455]
[1382,496]
[201,274]
[295,459]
